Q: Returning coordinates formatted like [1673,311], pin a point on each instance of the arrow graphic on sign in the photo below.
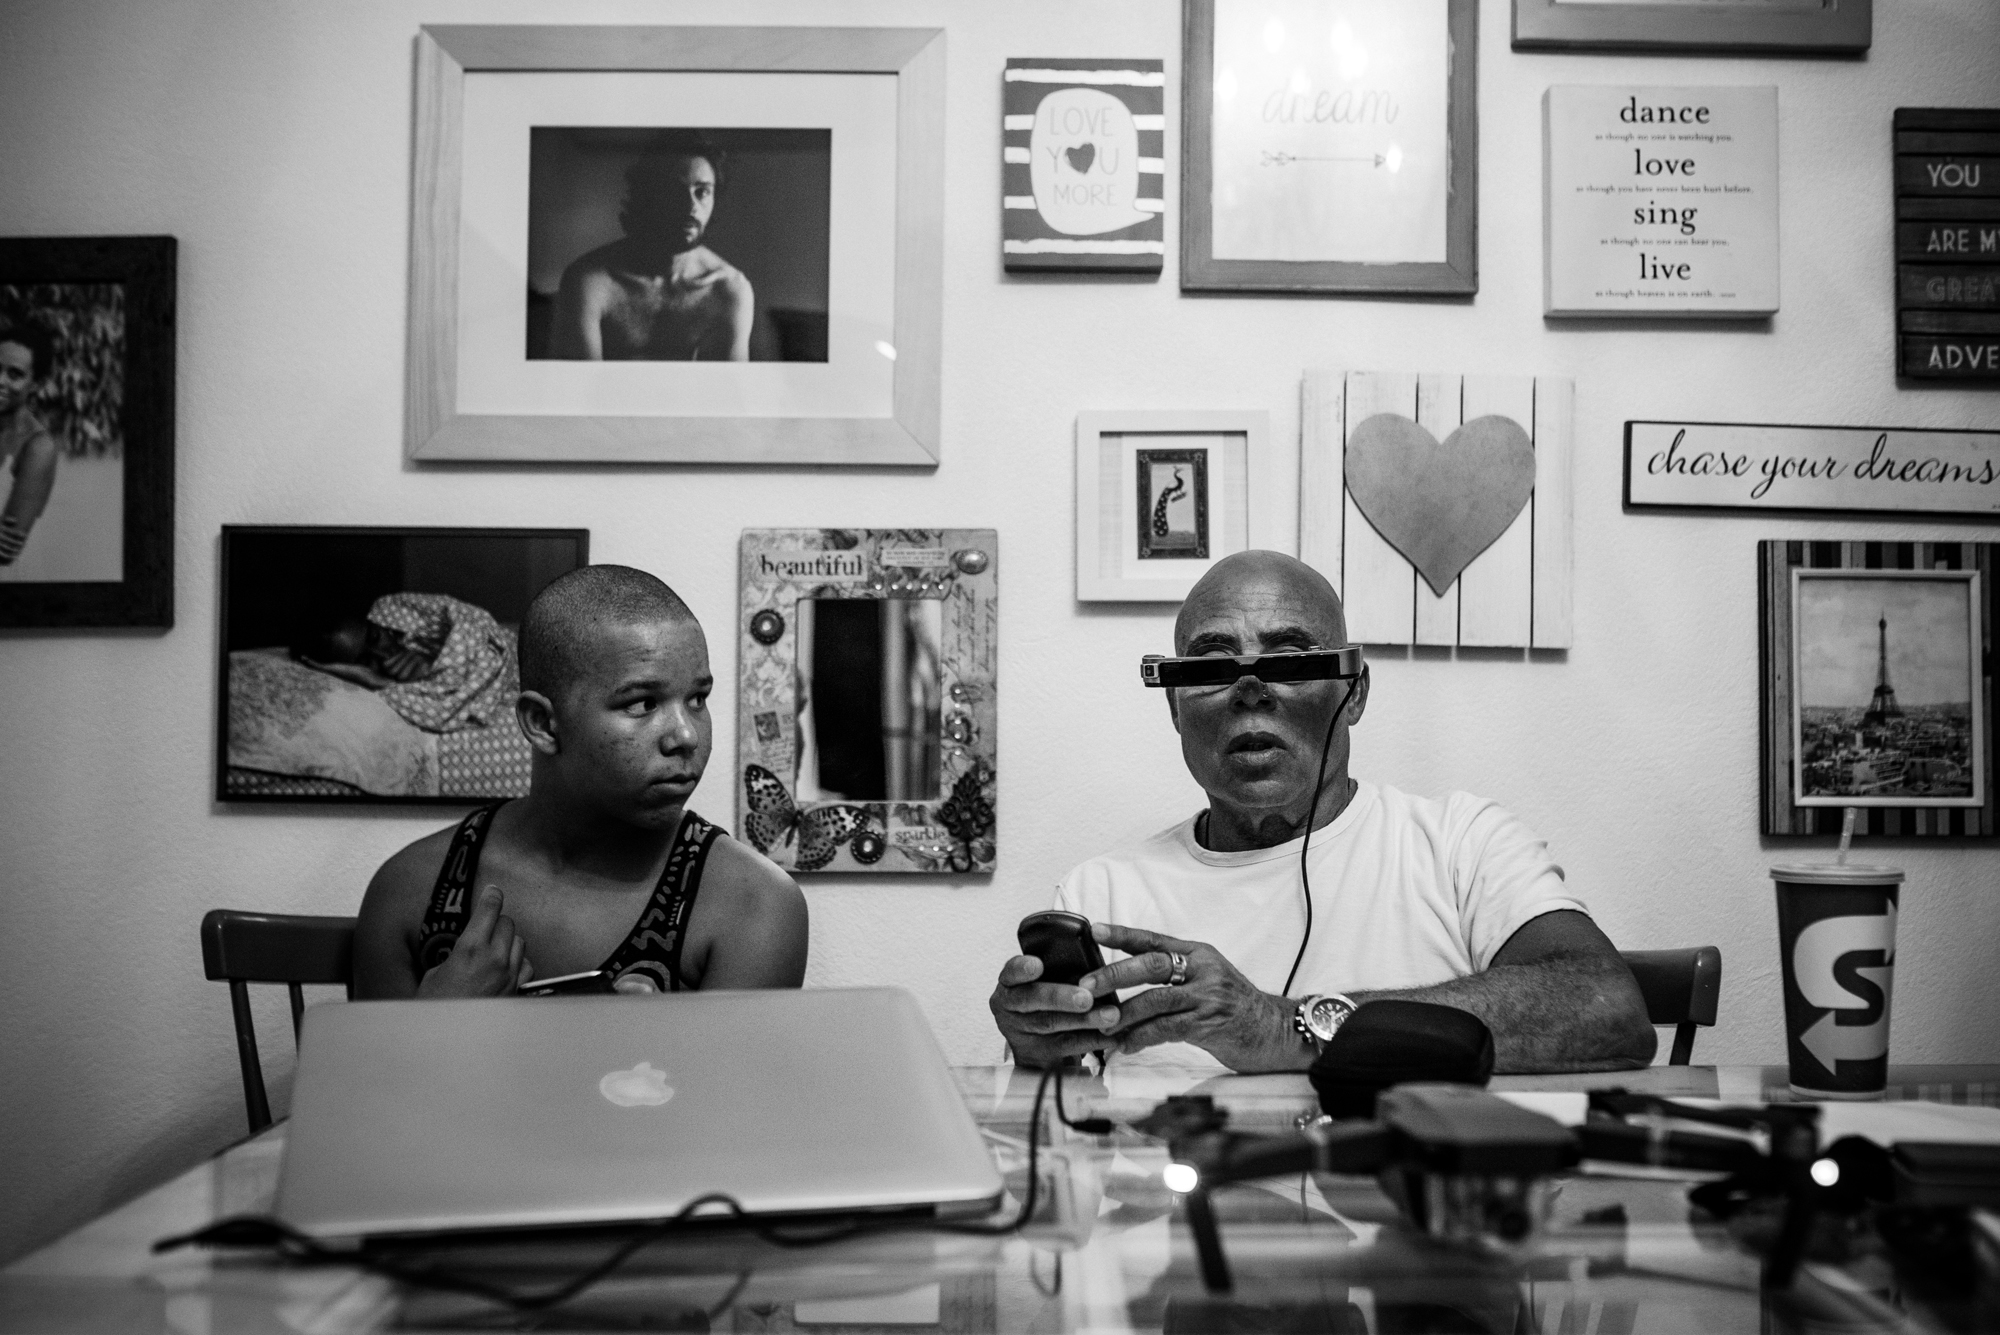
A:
[1829,1042]
[1281,158]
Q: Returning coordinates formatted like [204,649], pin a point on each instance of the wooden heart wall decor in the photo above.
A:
[1439,505]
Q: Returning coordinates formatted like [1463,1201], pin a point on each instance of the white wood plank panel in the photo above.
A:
[1380,587]
[920,202]
[1322,497]
[1555,449]
[431,396]
[1438,413]
[1497,607]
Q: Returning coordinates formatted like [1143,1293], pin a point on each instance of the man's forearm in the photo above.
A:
[1561,1014]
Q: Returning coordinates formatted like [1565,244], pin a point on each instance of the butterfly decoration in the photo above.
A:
[774,819]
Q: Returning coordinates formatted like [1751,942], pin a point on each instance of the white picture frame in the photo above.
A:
[438,429]
[1952,616]
[1202,473]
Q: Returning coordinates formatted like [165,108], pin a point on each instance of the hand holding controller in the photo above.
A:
[1044,1016]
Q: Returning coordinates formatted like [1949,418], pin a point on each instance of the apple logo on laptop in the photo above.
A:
[640,1087]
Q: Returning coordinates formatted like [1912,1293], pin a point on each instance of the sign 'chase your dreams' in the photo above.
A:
[1734,466]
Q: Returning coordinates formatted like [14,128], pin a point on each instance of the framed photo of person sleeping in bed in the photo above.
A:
[377,665]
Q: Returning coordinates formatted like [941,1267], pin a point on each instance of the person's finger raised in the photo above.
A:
[485,913]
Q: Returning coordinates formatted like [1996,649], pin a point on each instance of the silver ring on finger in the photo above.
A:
[1176,968]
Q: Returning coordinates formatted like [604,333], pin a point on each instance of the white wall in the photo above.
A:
[273,140]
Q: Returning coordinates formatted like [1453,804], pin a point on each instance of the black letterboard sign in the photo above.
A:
[1948,244]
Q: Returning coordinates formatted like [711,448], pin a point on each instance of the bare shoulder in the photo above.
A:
[391,913]
[750,924]
[593,266]
[750,881]
[720,273]
[412,871]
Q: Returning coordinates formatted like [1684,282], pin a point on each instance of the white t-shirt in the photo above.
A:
[1406,892]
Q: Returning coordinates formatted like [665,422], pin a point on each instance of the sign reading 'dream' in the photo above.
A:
[1736,466]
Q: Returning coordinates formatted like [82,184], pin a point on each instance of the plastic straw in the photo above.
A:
[1846,833]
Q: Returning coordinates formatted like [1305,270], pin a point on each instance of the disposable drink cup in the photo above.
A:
[1837,938]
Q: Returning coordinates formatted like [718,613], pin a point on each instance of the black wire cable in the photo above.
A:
[1305,875]
[267,1232]
[1027,1211]
[1094,1126]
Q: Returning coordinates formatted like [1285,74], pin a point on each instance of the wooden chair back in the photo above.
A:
[1681,988]
[242,948]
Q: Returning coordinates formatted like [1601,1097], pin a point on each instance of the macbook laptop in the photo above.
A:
[413,1117]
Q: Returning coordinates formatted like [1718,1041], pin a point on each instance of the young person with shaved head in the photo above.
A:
[1450,901]
[601,865]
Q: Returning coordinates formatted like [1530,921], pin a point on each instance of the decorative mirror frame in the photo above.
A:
[953,832]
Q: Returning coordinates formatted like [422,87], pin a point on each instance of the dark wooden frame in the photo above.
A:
[1779,815]
[1198,459]
[145,267]
[221,794]
[1843,28]
[1929,138]
[1456,275]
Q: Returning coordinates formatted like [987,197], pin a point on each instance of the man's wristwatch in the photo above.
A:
[1319,1018]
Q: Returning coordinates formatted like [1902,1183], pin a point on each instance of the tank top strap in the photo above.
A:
[653,952]
[451,897]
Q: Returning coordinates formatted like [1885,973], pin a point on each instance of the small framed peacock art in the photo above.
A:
[1162,496]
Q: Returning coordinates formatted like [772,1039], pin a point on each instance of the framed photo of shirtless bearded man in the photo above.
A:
[677,245]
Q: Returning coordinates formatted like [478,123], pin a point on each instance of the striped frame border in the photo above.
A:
[1775,562]
[1027,243]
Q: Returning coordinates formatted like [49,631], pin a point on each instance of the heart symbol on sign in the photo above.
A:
[1440,505]
[1081,157]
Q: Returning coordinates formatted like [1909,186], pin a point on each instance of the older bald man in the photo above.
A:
[1451,900]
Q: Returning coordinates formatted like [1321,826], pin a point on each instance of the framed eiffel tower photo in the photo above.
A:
[1875,688]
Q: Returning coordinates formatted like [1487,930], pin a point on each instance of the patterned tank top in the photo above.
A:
[650,958]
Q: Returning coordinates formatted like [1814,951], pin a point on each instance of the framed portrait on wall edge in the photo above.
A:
[1161,496]
[87,431]
[1875,690]
[677,245]
[377,665]
[1330,147]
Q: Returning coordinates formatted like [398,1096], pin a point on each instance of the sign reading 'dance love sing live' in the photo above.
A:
[1736,466]
[1660,201]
